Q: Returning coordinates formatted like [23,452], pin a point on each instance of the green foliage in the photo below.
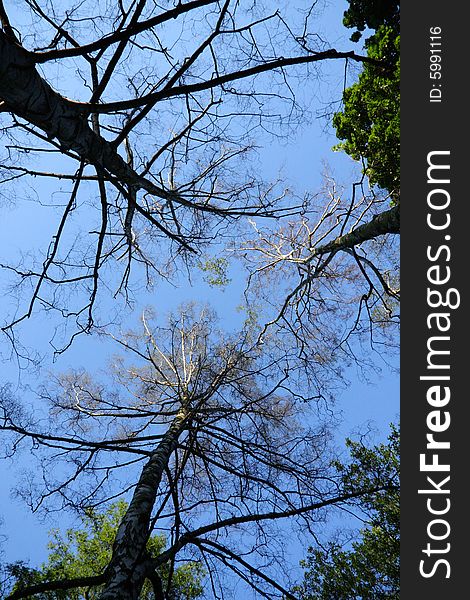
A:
[87,551]
[371,14]
[215,270]
[370,569]
[369,123]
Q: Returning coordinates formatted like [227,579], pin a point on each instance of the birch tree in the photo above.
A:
[83,551]
[212,441]
[151,113]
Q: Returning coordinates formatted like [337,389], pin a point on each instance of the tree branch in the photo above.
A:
[191,88]
[61,584]
[124,34]
[382,224]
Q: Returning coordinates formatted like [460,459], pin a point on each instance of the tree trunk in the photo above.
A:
[129,564]
[383,223]
[25,94]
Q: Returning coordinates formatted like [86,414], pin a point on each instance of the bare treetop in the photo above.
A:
[220,435]
[144,115]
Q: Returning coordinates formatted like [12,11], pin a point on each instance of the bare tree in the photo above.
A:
[152,148]
[328,281]
[222,442]
[149,113]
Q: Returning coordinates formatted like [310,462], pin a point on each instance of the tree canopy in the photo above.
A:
[372,14]
[84,552]
[370,568]
[153,132]
[132,133]
[214,440]
[369,123]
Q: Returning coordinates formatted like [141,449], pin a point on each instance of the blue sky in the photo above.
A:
[27,226]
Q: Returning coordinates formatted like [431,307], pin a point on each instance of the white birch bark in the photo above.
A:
[129,564]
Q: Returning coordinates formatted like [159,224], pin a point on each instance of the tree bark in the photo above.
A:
[26,94]
[129,564]
[383,223]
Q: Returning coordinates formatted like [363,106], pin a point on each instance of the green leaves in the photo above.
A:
[369,123]
[369,569]
[371,14]
[215,271]
[87,551]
